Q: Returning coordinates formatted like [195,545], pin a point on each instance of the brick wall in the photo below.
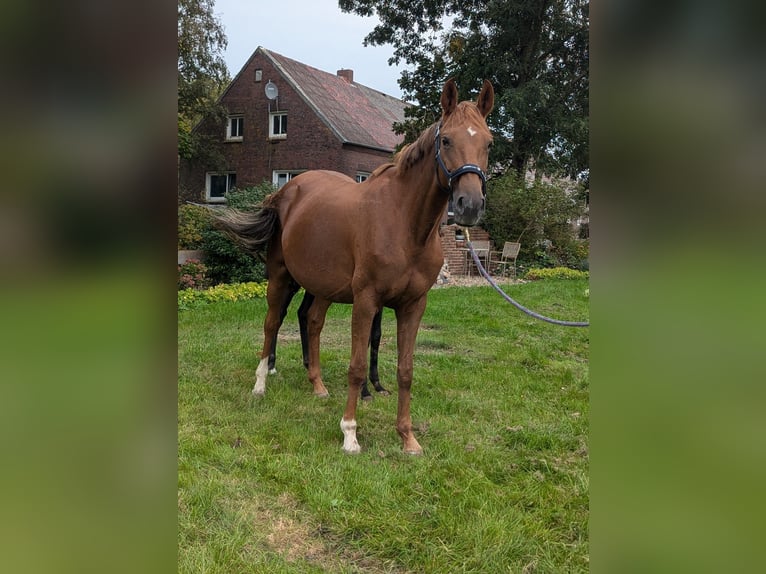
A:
[454,249]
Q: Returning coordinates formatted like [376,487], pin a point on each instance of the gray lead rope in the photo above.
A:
[511,301]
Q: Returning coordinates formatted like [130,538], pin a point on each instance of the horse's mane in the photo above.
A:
[411,154]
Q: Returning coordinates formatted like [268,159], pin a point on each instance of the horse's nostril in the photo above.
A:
[460,203]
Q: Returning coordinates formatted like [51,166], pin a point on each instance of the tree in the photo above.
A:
[202,73]
[535,52]
[538,215]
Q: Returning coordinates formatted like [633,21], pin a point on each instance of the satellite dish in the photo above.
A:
[271,90]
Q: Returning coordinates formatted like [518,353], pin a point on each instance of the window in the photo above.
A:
[234,128]
[278,125]
[361,176]
[279,178]
[218,184]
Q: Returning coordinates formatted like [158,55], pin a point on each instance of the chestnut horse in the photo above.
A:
[373,245]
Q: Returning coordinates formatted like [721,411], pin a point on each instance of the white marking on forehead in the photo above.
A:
[472,132]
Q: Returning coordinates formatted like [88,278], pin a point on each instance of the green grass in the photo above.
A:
[500,406]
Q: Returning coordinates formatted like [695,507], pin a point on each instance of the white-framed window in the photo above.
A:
[234,127]
[278,125]
[217,184]
[279,178]
[362,176]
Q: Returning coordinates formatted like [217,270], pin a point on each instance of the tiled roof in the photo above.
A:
[355,113]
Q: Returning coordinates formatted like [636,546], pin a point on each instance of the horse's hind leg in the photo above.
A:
[279,285]
[315,321]
[288,297]
[303,313]
[375,336]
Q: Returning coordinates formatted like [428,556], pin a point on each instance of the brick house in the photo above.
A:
[285,117]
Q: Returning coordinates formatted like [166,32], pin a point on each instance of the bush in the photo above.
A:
[555,273]
[537,215]
[192,222]
[191,298]
[249,198]
[192,275]
[226,261]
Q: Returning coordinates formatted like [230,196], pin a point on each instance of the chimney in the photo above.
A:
[347,75]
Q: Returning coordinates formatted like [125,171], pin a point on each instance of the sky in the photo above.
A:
[313,32]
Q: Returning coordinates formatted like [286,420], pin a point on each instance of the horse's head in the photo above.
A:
[462,150]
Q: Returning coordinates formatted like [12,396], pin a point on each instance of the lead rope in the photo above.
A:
[511,301]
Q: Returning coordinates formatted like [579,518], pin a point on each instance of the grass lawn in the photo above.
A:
[500,407]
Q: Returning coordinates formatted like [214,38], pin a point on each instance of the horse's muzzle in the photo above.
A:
[468,206]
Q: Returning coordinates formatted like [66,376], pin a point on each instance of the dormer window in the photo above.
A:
[278,125]
[234,127]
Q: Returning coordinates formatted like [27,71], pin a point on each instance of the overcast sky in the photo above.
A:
[314,32]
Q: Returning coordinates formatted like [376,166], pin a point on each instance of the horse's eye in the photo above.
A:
[445,142]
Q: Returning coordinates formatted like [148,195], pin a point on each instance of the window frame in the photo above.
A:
[290,173]
[282,134]
[231,183]
[229,122]
[362,176]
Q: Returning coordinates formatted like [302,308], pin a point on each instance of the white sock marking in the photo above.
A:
[260,377]
[350,444]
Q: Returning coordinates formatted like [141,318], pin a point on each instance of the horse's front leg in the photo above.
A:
[314,323]
[407,323]
[361,322]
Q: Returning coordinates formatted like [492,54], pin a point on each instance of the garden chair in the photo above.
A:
[482,249]
[505,258]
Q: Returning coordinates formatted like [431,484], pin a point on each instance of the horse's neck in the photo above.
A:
[423,199]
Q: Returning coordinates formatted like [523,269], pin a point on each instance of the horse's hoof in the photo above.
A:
[323,395]
[414,452]
[384,393]
[367,398]
[273,371]
[356,449]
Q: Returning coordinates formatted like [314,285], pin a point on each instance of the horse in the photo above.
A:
[308,299]
[373,246]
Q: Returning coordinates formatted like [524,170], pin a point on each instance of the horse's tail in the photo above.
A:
[252,231]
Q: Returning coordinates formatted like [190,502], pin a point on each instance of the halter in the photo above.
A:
[453,175]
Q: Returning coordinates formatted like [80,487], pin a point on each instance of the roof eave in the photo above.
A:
[367,146]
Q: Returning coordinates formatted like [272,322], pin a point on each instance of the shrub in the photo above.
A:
[192,222]
[536,214]
[226,261]
[192,275]
[555,273]
[191,298]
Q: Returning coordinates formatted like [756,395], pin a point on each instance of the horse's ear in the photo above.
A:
[486,98]
[449,97]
